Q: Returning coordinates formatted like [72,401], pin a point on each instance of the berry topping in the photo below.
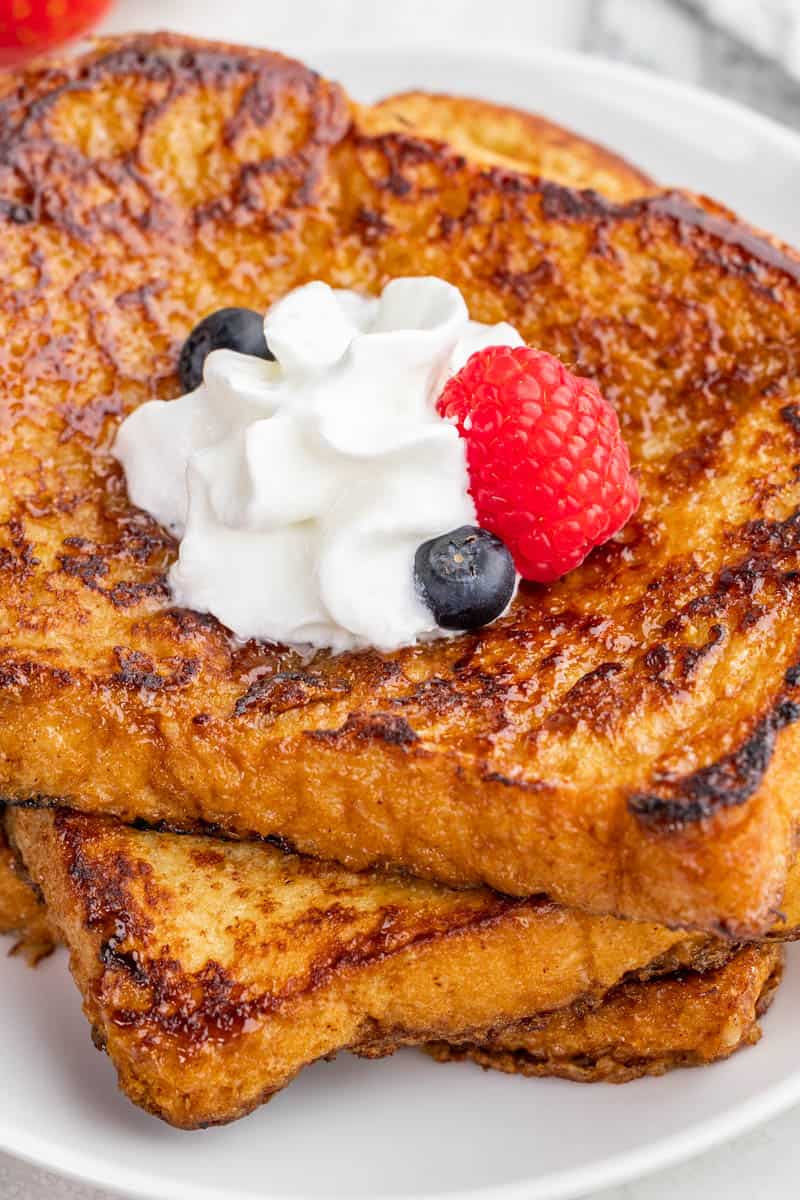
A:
[466,578]
[239,329]
[32,27]
[549,472]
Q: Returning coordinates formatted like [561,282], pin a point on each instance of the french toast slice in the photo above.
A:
[498,135]
[688,1019]
[622,740]
[213,971]
[484,132]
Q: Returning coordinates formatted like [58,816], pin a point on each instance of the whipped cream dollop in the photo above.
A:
[301,489]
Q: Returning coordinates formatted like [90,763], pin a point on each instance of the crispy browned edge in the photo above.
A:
[688,1019]
[702,796]
[22,914]
[208,1044]
[504,136]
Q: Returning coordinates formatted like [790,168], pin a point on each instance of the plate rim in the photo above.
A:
[614,1170]
[623,1166]
[500,52]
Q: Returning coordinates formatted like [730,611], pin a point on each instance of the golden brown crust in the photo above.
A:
[213,971]
[623,740]
[501,136]
[21,912]
[685,1020]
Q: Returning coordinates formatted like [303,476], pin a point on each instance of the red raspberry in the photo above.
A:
[31,27]
[549,471]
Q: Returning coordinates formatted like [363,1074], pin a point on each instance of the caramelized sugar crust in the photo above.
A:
[212,971]
[688,1019]
[497,135]
[624,740]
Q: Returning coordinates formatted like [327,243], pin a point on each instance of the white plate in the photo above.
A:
[402,1127]
[407,1127]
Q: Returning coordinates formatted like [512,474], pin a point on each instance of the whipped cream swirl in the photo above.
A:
[300,489]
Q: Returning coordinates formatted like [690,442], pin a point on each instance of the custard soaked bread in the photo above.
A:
[500,136]
[687,1019]
[623,740]
[212,972]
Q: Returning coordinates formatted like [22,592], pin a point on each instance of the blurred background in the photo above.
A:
[746,49]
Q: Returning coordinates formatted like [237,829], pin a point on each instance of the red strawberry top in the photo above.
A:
[549,472]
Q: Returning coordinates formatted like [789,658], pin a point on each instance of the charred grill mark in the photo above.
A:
[129,961]
[46,177]
[367,727]
[128,593]
[371,225]
[522,785]
[473,694]
[733,779]
[658,659]
[754,251]
[187,623]
[563,204]
[773,537]
[287,690]
[171,62]
[16,674]
[790,413]
[19,560]
[773,546]
[137,672]
[401,153]
[193,1009]
[525,284]
[590,699]
[716,238]
[724,784]
[103,879]
[89,564]
[281,843]
[164,59]
[693,655]
[123,594]
[88,568]
[438,697]
[139,539]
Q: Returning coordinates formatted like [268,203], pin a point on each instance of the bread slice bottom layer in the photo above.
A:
[213,971]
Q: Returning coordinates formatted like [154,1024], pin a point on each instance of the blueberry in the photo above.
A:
[466,578]
[239,329]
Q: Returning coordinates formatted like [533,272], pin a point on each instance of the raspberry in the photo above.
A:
[549,472]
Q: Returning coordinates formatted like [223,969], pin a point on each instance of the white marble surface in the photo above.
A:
[746,48]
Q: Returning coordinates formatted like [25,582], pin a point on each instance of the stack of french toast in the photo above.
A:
[563,844]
